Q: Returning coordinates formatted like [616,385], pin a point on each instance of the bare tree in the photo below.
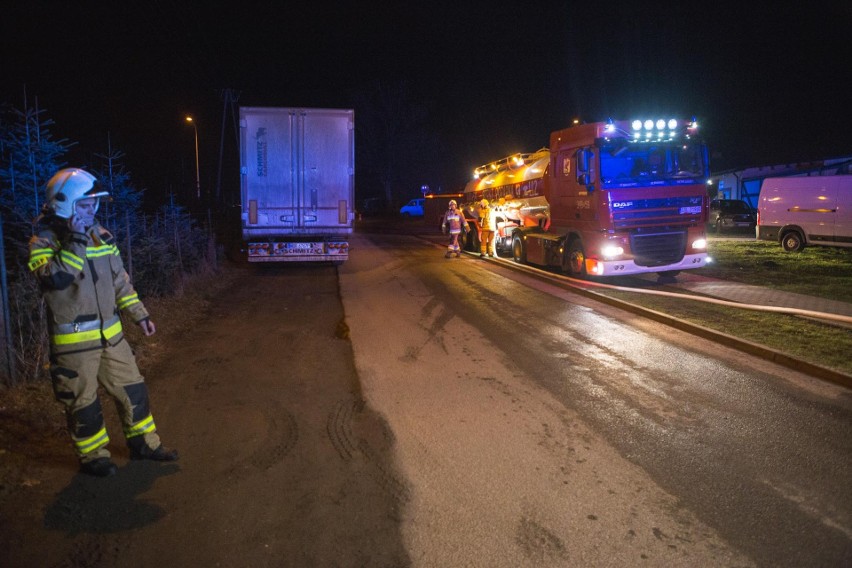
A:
[393,142]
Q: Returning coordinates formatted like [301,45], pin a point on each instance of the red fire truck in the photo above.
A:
[606,199]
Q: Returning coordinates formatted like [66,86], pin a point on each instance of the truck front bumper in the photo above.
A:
[596,267]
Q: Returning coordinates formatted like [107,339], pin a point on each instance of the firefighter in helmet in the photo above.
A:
[85,287]
[486,230]
[454,222]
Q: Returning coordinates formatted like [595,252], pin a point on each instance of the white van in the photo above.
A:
[800,211]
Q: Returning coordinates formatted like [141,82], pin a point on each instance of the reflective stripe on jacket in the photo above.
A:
[84,285]
[455,220]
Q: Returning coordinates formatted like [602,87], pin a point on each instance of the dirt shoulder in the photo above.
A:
[33,437]
[252,380]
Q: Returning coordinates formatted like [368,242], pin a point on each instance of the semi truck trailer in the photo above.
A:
[297,172]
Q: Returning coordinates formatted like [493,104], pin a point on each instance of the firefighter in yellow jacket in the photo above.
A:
[85,286]
[486,230]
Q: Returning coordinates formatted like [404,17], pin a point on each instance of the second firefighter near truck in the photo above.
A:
[86,289]
[486,229]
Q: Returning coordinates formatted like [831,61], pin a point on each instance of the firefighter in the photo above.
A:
[486,230]
[455,222]
[85,285]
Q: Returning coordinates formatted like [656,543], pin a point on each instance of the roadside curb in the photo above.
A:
[755,349]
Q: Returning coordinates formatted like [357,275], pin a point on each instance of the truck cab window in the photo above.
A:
[642,164]
[585,166]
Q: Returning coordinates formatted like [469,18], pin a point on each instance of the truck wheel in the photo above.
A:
[519,252]
[792,241]
[471,241]
[499,248]
[574,260]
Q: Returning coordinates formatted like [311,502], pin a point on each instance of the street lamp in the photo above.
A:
[197,178]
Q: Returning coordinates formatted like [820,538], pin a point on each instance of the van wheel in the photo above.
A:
[519,252]
[574,260]
[792,241]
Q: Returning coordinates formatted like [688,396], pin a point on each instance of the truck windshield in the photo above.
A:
[626,164]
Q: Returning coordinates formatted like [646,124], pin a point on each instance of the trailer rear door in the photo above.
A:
[298,171]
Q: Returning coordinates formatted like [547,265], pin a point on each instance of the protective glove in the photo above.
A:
[148,327]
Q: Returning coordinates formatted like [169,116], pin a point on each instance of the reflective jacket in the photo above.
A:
[455,221]
[84,285]
[484,215]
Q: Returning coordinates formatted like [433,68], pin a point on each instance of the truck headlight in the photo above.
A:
[611,251]
[699,244]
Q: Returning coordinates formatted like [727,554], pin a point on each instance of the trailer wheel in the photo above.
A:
[792,241]
[519,251]
[574,260]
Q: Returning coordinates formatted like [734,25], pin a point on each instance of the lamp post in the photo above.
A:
[197,178]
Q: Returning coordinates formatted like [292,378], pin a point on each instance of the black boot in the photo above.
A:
[139,450]
[100,467]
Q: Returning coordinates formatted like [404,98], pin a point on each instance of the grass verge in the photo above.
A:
[816,342]
[824,272]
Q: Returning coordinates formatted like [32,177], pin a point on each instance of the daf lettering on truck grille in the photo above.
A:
[622,204]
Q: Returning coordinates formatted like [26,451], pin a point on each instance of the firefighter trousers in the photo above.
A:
[76,378]
[486,241]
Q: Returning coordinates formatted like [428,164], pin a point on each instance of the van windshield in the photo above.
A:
[628,164]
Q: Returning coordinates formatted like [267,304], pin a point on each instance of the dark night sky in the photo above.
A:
[768,84]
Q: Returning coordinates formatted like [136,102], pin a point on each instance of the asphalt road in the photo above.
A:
[405,409]
[622,441]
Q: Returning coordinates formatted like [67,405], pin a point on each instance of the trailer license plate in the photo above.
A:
[304,248]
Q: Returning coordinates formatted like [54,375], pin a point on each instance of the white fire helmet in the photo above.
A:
[453,202]
[483,203]
[69,185]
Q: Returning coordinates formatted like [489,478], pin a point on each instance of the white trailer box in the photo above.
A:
[297,172]
[801,211]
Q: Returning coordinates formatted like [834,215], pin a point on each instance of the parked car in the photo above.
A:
[413,208]
[731,214]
